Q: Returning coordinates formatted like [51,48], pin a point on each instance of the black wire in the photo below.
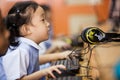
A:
[90,50]
[81,50]
[70,57]
[89,60]
[72,52]
[87,51]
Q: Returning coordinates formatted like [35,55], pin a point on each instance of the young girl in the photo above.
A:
[28,27]
[4,35]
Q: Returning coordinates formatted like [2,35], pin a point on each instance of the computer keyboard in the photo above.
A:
[68,78]
[72,67]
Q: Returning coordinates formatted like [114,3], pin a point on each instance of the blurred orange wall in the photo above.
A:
[61,12]
[102,10]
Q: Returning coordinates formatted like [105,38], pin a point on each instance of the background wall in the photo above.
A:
[69,16]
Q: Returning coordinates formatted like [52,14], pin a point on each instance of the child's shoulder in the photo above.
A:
[20,49]
[23,46]
[19,52]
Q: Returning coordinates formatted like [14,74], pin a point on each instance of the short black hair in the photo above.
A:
[18,15]
[46,7]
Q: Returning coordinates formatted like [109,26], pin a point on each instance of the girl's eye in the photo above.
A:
[43,20]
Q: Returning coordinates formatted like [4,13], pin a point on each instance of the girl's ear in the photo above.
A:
[7,34]
[25,30]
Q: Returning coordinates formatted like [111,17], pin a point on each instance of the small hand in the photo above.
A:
[49,71]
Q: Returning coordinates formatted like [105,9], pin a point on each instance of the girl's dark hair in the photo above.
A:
[18,15]
[46,7]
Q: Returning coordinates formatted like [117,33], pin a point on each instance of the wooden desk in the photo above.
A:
[106,58]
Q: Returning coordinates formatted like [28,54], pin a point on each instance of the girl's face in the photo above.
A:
[40,27]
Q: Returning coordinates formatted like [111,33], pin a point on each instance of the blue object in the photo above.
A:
[117,70]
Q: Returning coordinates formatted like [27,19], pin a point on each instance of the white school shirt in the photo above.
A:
[2,72]
[21,61]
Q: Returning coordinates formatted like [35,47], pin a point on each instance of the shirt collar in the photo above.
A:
[30,42]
